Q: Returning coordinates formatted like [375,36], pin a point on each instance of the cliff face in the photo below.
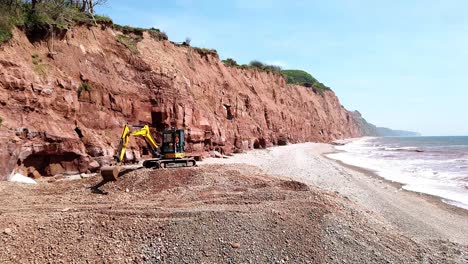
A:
[368,129]
[52,123]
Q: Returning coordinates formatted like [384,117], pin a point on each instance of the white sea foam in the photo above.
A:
[415,172]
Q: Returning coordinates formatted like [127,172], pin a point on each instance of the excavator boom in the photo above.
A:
[125,138]
[110,173]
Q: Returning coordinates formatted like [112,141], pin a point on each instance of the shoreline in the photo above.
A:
[434,199]
[419,216]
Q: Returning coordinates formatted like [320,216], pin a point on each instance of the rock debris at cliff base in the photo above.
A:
[209,214]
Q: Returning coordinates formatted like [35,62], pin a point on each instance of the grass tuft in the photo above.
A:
[84,87]
[39,68]
[129,42]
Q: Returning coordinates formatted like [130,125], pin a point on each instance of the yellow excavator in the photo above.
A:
[170,154]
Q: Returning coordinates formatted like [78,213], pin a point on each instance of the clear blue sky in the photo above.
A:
[402,64]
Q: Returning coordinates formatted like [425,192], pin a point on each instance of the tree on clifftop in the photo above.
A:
[40,18]
[88,5]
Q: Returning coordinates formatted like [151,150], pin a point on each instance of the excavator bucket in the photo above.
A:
[110,173]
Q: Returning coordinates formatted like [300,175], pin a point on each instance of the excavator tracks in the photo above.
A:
[111,173]
[169,163]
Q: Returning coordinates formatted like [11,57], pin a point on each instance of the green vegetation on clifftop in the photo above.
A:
[9,17]
[230,62]
[264,67]
[42,19]
[292,76]
[303,78]
[137,31]
[255,64]
[298,76]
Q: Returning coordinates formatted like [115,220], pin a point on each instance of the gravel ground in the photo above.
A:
[211,214]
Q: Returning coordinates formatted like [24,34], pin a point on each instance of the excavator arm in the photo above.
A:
[173,153]
[143,131]
[110,173]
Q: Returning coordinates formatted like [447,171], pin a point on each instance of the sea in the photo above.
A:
[433,165]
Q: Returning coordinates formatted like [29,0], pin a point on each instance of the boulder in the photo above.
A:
[54,168]
[33,173]
[17,177]
[93,166]
[216,154]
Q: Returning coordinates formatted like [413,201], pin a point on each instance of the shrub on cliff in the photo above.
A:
[137,33]
[298,77]
[205,52]
[1,121]
[157,34]
[84,87]
[321,87]
[303,78]
[272,68]
[230,62]
[10,15]
[255,64]
[5,35]
[129,30]
[100,19]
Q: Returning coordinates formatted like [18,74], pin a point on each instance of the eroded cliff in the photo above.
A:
[64,101]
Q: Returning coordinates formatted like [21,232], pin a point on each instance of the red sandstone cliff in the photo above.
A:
[50,126]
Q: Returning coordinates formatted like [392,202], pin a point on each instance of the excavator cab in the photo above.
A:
[173,145]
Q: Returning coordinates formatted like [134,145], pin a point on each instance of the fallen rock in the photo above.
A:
[33,173]
[238,150]
[235,245]
[216,154]
[7,231]
[21,178]
[93,166]
[47,91]
[86,175]
[94,151]
[54,169]
[71,177]
[282,141]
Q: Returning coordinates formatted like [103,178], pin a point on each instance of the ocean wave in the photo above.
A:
[424,172]
[405,149]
